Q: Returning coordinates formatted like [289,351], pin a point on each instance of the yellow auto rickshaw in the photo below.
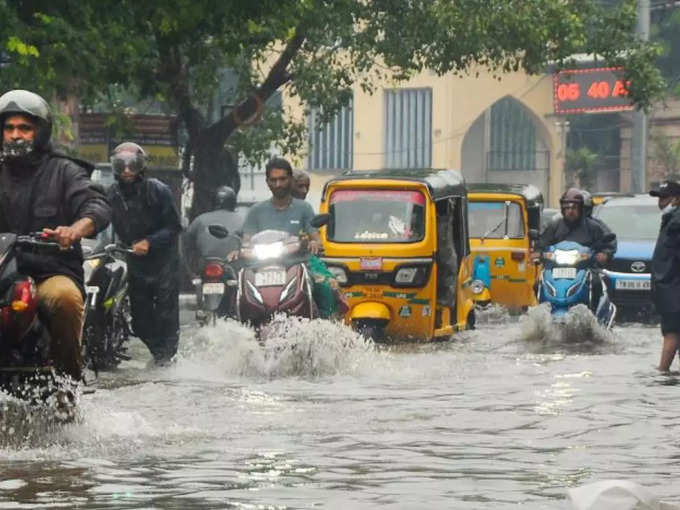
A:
[504,222]
[397,243]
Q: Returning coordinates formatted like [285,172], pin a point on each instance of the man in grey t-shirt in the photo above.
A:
[282,211]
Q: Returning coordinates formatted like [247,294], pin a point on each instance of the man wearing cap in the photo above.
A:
[666,270]
[146,218]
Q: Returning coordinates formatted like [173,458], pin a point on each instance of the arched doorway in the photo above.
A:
[507,143]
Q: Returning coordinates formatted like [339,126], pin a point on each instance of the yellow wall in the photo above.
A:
[456,103]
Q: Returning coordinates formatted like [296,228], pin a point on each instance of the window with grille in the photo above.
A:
[513,137]
[330,144]
[408,128]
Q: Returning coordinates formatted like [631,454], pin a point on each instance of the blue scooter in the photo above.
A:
[567,280]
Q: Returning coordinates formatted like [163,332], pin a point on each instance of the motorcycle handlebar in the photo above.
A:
[40,240]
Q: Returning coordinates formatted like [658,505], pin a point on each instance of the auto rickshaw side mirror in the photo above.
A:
[320,220]
[534,234]
[218,231]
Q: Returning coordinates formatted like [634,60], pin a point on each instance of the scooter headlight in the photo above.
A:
[477,287]
[566,257]
[268,251]
[339,274]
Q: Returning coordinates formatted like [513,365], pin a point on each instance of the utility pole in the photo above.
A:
[638,140]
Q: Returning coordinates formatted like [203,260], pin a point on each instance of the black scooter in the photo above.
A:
[107,311]
[216,285]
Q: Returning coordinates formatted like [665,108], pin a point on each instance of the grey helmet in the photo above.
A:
[129,155]
[225,198]
[28,103]
[587,203]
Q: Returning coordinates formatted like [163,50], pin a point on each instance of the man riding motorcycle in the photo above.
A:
[577,226]
[199,244]
[146,218]
[43,190]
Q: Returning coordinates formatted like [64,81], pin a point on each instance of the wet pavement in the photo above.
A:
[510,415]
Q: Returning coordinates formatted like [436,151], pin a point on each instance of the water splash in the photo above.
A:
[578,331]
[287,346]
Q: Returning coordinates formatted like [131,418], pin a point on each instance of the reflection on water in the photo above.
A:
[317,417]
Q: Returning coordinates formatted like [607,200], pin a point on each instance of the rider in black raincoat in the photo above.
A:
[146,218]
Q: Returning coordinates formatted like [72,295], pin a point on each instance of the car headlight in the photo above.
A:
[477,286]
[339,274]
[566,257]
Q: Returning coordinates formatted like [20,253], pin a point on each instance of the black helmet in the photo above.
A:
[128,155]
[225,198]
[24,102]
[587,203]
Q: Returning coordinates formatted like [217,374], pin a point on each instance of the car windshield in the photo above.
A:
[376,216]
[495,220]
[631,221]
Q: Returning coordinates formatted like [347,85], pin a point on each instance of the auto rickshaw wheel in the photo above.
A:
[471,320]
[370,329]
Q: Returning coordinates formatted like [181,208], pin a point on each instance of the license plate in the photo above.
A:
[633,284]
[213,288]
[270,278]
[564,272]
[370,263]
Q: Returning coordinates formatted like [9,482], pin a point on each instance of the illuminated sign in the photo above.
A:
[590,90]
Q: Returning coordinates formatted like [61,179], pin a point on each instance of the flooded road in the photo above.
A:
[506,416]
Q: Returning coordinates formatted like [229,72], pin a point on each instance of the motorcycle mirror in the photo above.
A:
[320,220]
[534,234]
[218,231]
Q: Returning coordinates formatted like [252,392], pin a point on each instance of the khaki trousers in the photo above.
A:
[62,307]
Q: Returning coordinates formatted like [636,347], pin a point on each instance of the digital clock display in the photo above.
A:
[590,90]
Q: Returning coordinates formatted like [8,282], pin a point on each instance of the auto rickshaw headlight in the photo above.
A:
[477,286]
[410,275]
[339,274]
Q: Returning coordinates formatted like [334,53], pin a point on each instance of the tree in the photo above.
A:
[667,154]
[320,49]
[581,167]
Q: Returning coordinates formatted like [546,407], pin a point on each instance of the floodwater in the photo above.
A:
[510,415]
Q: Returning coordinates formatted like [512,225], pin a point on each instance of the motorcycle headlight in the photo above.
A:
[268,251]
[89,266]
[339,274]
[477,287]
[567,257]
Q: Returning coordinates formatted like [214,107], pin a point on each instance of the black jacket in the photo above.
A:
[147,210]
[666,265]
[588,232]
[55,191]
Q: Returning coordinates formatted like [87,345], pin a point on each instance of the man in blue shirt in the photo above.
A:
[281,211]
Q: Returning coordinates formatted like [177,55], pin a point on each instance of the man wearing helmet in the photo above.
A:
[42,190]
[199,243]
[578,226]
[146,218]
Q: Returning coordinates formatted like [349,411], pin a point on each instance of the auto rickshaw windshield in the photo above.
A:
[376,216]
[495,220]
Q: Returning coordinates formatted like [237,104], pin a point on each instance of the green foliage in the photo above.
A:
[317,50]
[667,154]
[582,167]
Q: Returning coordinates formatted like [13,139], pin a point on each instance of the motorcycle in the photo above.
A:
[274,279]
[26,370]
[216,286]
[568,278]
[107,308]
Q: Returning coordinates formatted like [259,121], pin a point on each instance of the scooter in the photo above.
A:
[274,279]
[568,278]
[26,370]
[107,310]
[216,286]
